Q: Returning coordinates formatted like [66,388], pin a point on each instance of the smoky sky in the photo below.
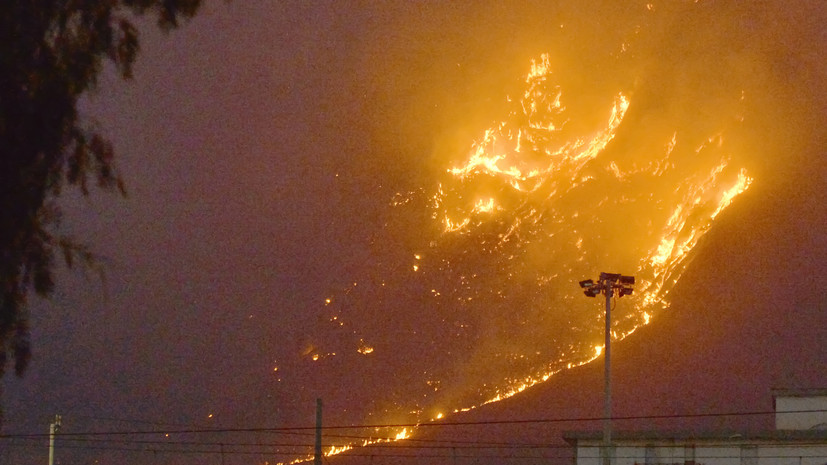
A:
[281,154]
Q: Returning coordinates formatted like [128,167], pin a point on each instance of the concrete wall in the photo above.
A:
[800,421]
[709,455]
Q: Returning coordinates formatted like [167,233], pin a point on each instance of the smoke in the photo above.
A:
[473,290]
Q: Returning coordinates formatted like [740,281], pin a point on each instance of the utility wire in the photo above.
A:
[404,425]
[399,445]
[378,449]
[719,455]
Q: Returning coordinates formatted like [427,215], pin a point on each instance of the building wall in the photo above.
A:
[800,421]
[708,455]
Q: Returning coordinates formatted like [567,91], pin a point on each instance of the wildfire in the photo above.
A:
[364,349]
[538,202]
[342,448]
[538,167]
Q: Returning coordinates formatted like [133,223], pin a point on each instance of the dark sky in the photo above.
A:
[263,147]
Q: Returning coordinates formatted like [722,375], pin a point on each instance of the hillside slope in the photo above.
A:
[749,315]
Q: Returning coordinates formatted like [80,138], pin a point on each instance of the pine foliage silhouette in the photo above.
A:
[51,53]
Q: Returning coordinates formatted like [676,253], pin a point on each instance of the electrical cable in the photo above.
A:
[405,425]
[419,455]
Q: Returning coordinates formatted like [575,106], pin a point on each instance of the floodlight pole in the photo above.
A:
[607,376]
[53,427]
[317,452]
[608,284]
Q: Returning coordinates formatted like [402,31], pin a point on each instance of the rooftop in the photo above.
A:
[799,392]
[735,437]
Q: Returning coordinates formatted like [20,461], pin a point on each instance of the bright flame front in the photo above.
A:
[490,304]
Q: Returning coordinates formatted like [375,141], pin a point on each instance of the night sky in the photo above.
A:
[282,154]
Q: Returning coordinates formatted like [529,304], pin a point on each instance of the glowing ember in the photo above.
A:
[364,349]
[544,198]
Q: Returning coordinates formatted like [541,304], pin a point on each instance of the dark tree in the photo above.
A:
[51,52]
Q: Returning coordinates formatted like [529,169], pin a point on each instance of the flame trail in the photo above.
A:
[539,202]
[520,183]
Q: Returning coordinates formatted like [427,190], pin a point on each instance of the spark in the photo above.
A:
[538,197]
[364,349]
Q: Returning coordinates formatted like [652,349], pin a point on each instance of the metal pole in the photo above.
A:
[53,427]
[606,284]
[317,455]
[607,375]
[51,443]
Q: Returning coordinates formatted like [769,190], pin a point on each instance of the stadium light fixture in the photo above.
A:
[607,284]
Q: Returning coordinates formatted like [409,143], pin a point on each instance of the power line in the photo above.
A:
[397,445]
[308,445]
[382,447]
[218,448]
[421,455]
[464,445]
[286,430]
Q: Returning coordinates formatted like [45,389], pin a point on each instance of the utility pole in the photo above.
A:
[606,285]
[607,379]
[53,427]
[317,455]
